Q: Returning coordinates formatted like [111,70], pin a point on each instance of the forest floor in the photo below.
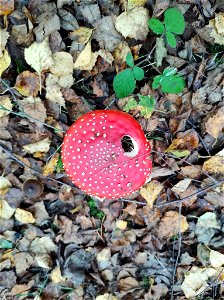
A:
[58,60]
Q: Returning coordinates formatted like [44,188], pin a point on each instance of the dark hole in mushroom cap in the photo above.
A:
[127,144]
[32,188]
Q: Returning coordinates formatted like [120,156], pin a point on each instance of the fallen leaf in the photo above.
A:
[181,186]
[151,191]
[49,168]
[56,276]
[156,292]
[122,225]
[6,7]
[81,35]
[216,30]
[133,24]
[216,259]
[187,140]
[103,258]
[39,56]
[21,288]
[5,106]
[4,35]
[23,261]
[193,172]
[128,284]
[195,281]
[43,261]
[53,90]
[62,64]
[43,245]
[160,52]
[6,211]
[136,3]
[86,59]
[171,223]
[27,84]
[161,171]
[215,125]
[24,217]
[215,164]
[106,296]
[5,184]
[40,146]
[5,61]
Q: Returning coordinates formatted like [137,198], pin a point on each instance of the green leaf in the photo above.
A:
[138,73]
[169,71]
[146,105]
[180,153]
[171,40]
[157,81]
[124,83]
[131,104]
[4,244]
[174,20]
[130,60]
[156,26]
[173,84]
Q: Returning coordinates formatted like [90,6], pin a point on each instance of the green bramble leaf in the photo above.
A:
[138,73]
[124,83]
[157,81]
[174,21]
[145,105]
[171,40]
[130,60]
[172,84]
[156,26]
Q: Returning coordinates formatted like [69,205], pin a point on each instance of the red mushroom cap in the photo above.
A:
[95,160]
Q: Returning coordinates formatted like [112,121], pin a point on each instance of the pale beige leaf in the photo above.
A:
[106,296]
[171,223]
[151,191]
[133,24]
[6,211]
[121,224]
[5,61]
[161,51]
[4,35]
[5,106]
[43,261]
[63,64]
[86,59]
[181,186]
[81,35]
[215,125]
[56,276]
[196,281]
[128,283]
[216,28]
[24,217]
[5,184]
[40,146]
[216,259]
[53,90]
[39,56]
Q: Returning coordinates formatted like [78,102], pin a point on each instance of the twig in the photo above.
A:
[179,250]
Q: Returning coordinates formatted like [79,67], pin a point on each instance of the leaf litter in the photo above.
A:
[58,61]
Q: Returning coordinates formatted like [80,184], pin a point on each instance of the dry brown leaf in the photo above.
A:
[187,140]
[21,288]
[27,84]
[5,106]
[6,7]
[214,165]
[215,125]
[128,284]
[151,191]
[131,209]
[40,146]
[24,217]
[181,186]
[193,172]
[49,168]
[169,224]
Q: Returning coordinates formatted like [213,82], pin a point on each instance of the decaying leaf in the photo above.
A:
[39,56]
[128,283]
[56,276]
[151,191]
[216,30]
[4,35]
[6,211]
[62,64]
[135,3]
[81,35]
[171,223]
[5,61]
[196,281]
[215,164]
[5,184]
[6,7]
[86,59]
[5,106]
[24,217]
[51,165]
[181,186]
[40,146]
[133,24]
[215,125]
[27,84]
[106,296]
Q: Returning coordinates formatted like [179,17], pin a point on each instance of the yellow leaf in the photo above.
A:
[151,191]
[135,3]
[106,296]
[5,102]
[40,146]
[215,164]
[216,27]
[5,61]
[6,211]
[50,166]
[86,59]
[24,217]
[81,35]
[121,224]
[5,184]
[56,276]
[6,7]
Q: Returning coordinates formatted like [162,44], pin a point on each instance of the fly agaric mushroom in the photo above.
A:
[106,154]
